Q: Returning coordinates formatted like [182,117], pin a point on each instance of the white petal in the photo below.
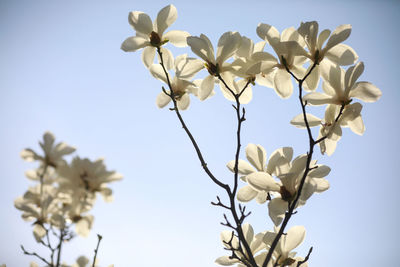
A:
[246,193]
[243,167]
[225,261]
[257,156]
[162,100]
[283,83]
[247,94]
[157,71]
[148,56]
[227,46]
[167,57]
[141,22]
[320,172]
[206,87]
[357,125]
[366,92]
[177,38]
[200,47]
[276,210]
[279,160]
[165,18]
[294,237]
[186,68]
[183,102]
[134,43]
[312,80]
[352,75]
[268,33]
[340,34]
[317,99]
[299,122]
[262,181]
[248,232]
[342,55]
[322,185]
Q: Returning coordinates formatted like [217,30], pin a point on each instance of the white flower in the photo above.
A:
[185,68]
[340,87]
[231,241]
[53,154]
[331,124]
[334,51]
[288,45]
[289,184]
[283,255]
[85,177]
[151,35]
[278,164]
[227,45]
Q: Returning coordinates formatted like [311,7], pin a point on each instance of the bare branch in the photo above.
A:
[99,237]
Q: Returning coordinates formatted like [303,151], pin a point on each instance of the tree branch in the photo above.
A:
[96,250]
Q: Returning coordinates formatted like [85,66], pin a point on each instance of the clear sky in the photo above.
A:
[61,69]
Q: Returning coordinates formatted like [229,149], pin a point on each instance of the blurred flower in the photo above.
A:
[53,154]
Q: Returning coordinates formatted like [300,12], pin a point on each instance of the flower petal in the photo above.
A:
[276,210]
[262,181]
[246,193]
[294,237]
[340,34]
[283,83]
[165,18]
[206,87]
[315,98]
[299,122]
[312,80]
[244,167]
[257,156]
[320,171]
[228,43]
[162,100]
[148,56]
[366,92]
[141,22]
[200,47]
[177,38]
[134,43]
[184,102]
[158,72]
[342,55]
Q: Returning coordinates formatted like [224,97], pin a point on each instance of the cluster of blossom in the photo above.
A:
[63,194]
[304,55]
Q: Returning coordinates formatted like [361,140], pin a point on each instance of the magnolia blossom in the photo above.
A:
[287,188]
[340,87]
[86,177]
[151,35]
[283,255]
[53,154]
[185,68]
[227,45]
[334,52]
[330,125]
[278,164]
[231,242]
[289,48]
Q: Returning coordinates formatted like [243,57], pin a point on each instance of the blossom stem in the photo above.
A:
[293,204]
[99,237]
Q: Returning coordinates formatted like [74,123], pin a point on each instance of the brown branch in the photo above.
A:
[198,151]
[292,205]
[59,247]
[227,188]
[96,250]
[36,255]
[306,258]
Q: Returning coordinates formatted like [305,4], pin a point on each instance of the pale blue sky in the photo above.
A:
[62,70]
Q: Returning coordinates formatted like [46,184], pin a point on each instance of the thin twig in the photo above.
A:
[293,204]
[306,258]
[96,250]
[36,255]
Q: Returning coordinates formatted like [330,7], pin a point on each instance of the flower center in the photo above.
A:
[212,69]
[155,39]
[285,194]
